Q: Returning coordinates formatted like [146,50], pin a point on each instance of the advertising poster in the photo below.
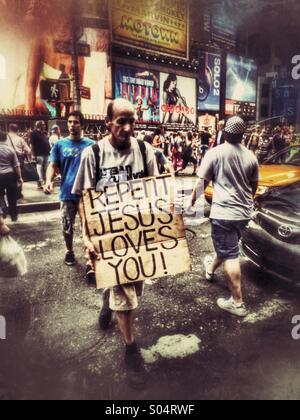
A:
[36,68]
[207,121]
[158,25]
[284,103]
[209,85]
[141,88]
[177,100]
[241,86]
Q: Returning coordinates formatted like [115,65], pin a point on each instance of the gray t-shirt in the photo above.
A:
[8,159]
[233,169]
[115,165]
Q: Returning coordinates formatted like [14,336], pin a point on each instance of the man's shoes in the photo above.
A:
[208,260]
[106,313]
[70,260]
[90,276]
[135,368]
[238,309]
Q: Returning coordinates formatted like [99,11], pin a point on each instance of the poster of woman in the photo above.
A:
[178,100]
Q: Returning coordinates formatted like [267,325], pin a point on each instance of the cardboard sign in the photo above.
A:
[134,228]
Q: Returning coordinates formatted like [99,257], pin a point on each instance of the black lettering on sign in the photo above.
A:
[102,224]
[112,221]
[136,247]
[131,216]
[143,271]
[111,192]
[116,268]
[148,240]
[160,207]
[162,233]
[124,249]
[102,252]
[141,218]
[128,267]
[93,198]
[164,263]
[124,189]
[136,187]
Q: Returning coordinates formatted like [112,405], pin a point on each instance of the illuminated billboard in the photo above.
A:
[241,86]
[36,69]
[158,25]
[141,88]
[177,100]
[209,85]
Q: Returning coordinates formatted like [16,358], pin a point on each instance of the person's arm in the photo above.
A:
[52,170]
[88,244]
[19,175]
[206,175]
[4,230]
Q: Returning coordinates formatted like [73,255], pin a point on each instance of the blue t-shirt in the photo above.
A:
[66,154]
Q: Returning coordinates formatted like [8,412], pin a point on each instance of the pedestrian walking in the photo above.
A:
[234,171]
[10,178]
[40,151]
[65,159]
[119,157]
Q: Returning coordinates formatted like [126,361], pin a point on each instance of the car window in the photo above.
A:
[287,157]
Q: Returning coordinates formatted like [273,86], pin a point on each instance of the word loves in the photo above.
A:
[135,229]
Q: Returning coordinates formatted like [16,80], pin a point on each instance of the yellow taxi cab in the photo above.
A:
[281,170]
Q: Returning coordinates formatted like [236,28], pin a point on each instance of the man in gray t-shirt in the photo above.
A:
[118,157]
[234,172]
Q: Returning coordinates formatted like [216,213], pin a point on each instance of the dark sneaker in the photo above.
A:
[135,368]
[90,276]
[70,259]
[106,313]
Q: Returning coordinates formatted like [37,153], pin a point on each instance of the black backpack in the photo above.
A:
[96,150]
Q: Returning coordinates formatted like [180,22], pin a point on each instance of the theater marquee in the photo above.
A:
[157,25]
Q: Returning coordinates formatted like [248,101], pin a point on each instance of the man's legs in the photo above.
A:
[12,195]
[69,211]
[233,271]
[44,167]
[39,168]
[126,325]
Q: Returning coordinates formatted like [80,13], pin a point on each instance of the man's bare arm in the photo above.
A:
[199,189]
[91,252]
[51,172]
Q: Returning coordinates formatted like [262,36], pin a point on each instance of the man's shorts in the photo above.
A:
[125,298]
[226,235]
[69,210]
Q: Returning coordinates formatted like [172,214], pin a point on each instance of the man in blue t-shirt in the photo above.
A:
[65,159]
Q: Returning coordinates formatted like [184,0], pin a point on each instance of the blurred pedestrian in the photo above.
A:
[40,150]
[10,178]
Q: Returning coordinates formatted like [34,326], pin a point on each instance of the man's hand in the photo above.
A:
[90,250]
[4,230]
[48,188]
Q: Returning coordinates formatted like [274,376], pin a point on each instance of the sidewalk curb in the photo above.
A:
[38,207]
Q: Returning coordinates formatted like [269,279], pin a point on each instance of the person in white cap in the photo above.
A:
[234,171]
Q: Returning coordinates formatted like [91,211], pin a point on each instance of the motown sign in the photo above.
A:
[155,25]
[135,229]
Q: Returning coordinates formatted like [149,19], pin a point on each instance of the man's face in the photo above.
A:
[74,126]
[122,127]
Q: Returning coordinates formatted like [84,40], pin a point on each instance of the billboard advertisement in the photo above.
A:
[141,88]
[241,86]
[284,103]
[36,69]
[209,85]
[158,25]
[177,100]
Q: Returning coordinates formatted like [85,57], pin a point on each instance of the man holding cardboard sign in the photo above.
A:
[129,223]
[119,157]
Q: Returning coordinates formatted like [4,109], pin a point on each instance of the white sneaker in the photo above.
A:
[238,309]
[208,260]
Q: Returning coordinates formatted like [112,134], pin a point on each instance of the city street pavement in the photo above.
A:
[54,349]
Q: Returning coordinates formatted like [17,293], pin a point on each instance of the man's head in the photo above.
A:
[40,125]
[75,124]
[221,125]
[120,121]
[234,130]
[13,128]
